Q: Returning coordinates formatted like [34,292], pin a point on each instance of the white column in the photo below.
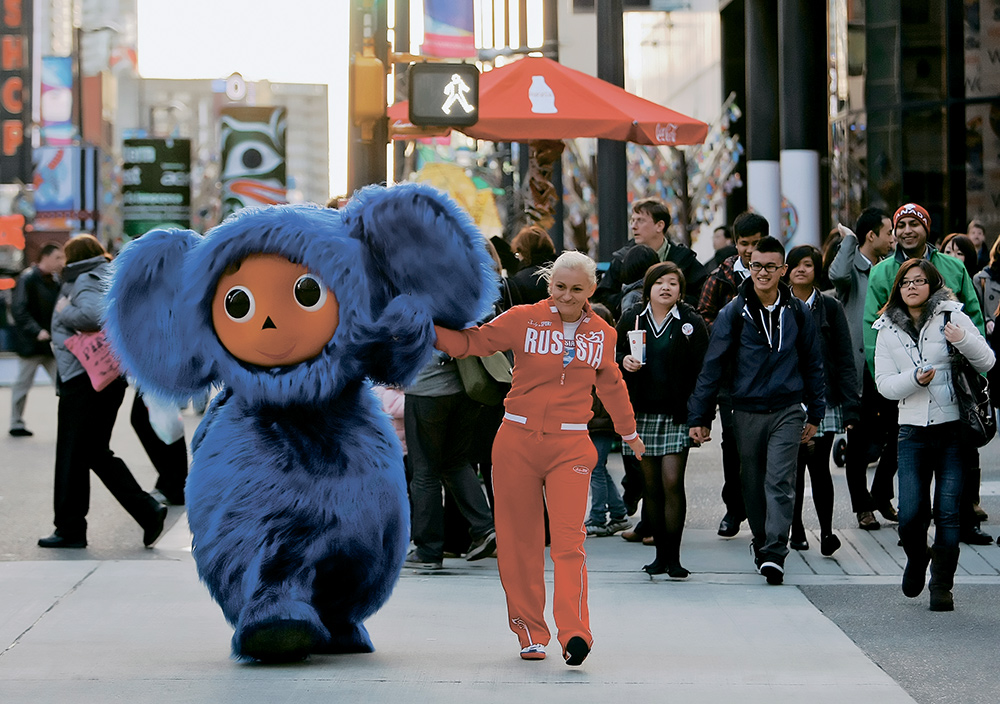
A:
[800,188]
[764,192]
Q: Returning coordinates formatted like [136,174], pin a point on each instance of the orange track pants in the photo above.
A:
[525,461]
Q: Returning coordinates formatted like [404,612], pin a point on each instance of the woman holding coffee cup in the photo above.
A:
[661,344]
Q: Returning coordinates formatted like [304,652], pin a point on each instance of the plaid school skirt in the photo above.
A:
[660,435]
[833,421]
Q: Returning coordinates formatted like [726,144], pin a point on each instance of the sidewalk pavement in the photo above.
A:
[146,630]
[76,628]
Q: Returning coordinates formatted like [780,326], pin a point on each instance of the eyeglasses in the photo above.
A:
[912,283]
[769,268]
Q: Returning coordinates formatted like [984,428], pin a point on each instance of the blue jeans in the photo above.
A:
[926,453]
[604,496]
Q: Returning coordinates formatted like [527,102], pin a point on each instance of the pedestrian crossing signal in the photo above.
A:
[444,95]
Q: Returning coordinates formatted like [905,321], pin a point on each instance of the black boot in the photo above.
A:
[944,561]
[917,557]
[668,558]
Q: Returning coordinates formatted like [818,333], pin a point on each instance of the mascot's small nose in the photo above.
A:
[269,324]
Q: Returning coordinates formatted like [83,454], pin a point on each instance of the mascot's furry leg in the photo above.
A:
[297,563]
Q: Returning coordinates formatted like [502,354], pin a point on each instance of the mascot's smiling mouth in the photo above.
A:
[280,356]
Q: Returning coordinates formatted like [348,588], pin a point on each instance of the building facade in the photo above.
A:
[915,114]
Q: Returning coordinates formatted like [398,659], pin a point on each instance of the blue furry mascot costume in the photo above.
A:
[297,497]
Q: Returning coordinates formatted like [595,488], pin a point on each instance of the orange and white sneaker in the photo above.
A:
[535,651]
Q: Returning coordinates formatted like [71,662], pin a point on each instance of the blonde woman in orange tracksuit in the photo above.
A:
[543,453]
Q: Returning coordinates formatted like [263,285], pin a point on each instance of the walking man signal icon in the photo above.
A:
[444,94]
[456,91]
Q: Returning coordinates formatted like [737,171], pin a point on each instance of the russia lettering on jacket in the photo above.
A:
[589,347]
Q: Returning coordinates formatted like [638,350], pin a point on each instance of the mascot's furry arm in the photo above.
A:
[296,497]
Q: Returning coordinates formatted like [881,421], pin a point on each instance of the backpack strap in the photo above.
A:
[947,319]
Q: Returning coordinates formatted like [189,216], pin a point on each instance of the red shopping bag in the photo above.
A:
[94,353]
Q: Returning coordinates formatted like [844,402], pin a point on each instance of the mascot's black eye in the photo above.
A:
[239,304]
[310,293]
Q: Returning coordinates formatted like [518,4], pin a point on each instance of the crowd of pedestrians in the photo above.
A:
[791,349]
[783,346]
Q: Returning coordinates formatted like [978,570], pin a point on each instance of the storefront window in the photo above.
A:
[925,168]
[884,179]
[923,50]
[982,52]
[982,164]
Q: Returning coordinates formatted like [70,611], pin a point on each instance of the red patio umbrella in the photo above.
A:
[537,98]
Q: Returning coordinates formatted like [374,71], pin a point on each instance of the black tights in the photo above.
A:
[815,456]
[666,507]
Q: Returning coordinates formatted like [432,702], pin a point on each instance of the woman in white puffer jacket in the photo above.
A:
[912,366]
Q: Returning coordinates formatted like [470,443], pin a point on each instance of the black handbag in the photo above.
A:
[972,392]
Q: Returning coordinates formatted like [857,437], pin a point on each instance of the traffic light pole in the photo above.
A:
[612,184]
[366,162]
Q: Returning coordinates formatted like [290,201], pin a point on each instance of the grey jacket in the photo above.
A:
[988,290]
[849,275]
[83,284]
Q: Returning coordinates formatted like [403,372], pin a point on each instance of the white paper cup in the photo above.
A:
[637,344]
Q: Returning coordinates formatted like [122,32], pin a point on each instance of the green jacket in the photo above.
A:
[883,275]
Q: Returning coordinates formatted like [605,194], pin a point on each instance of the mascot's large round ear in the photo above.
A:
[418,241]
[144,313]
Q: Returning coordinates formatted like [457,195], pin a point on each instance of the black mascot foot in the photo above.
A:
[346,638]
[278,641]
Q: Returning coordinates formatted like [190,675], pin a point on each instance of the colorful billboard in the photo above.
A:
[66,188]
[56,101]
[449,29]
[253,157]
[156,185]
[15,89]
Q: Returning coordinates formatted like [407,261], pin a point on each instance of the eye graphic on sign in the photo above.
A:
[252,157]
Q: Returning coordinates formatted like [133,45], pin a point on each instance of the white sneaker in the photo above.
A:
[773,572]
[596,531]
[535,651]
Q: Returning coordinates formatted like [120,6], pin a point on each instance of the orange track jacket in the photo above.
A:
[544,395]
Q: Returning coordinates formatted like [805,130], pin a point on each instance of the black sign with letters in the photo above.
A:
[156,185]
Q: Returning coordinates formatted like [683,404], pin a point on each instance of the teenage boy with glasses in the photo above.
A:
[720,288]
[769,339]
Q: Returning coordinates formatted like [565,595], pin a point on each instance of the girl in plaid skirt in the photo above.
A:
[676,338]
[804,266]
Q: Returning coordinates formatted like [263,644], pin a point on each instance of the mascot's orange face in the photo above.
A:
[272,313]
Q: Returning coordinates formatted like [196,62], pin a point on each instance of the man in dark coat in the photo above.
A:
[34,299]
[769,342]
[650,221]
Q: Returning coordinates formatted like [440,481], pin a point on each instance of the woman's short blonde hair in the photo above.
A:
[572,260]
